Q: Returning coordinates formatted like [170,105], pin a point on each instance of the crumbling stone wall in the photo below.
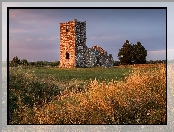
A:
[80,43]
[96,56]
[73,49]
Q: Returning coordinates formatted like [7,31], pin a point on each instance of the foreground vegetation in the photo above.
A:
[75,96]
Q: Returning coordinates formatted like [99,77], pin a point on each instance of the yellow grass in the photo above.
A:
[139,99]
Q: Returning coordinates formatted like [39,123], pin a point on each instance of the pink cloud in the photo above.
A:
[18,30]
[54,37]
[106,37]
[14,13]
[41,39]
[50,38]
[94,38]
[28,39]
[111,37]
[28,17]
[157,52]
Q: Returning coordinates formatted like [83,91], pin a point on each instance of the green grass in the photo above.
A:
[82,73]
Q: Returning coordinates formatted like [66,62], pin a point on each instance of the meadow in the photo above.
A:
[119,95]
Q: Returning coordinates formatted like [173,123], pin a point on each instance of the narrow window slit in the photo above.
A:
[67,55]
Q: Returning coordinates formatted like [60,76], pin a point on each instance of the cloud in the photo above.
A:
[41,38]
[54,37]
[106,37]
[49,38]
[93,38]
[14,14]
[156,52]
[31,17]
[28,39]
[18,30]
[156,55]
[111,37]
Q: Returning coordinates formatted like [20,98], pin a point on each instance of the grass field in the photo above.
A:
[120,95]
[80,73]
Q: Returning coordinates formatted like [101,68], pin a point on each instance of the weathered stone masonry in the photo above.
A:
[73,49]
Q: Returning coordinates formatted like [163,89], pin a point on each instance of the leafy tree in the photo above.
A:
[39,63]
[31,63]
[55,63]
[24,62]
[125,54]
[135,53]
[164,61]
[15,61]
[151,61]
[140,53]
[116,63]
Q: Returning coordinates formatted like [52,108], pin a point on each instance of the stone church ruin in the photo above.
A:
[73,49]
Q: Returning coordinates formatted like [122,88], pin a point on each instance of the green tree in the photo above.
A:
[139,53]
[55,63]
[15,61]
[39,63]
[135,53]
[125,54]
[24,62]
[31,63]
[116,63]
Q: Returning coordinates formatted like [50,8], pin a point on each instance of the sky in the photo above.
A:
[34,34]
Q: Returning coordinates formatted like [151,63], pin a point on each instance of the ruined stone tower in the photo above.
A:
[73,49]
[72,43]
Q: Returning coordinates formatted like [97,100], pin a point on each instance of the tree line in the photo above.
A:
[17,62]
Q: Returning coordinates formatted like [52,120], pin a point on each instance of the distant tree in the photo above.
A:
[15,61]
[55,63]
[24,62]
[151,61]
[125,54]
[164,61]
[159,61]
[45,63]
[139,53]
[116,63]
[147,62]
[31,63]
[39,63]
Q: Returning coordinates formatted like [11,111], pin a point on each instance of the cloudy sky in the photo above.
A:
[34,34]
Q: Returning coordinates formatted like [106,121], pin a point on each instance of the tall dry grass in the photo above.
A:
[139,99]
